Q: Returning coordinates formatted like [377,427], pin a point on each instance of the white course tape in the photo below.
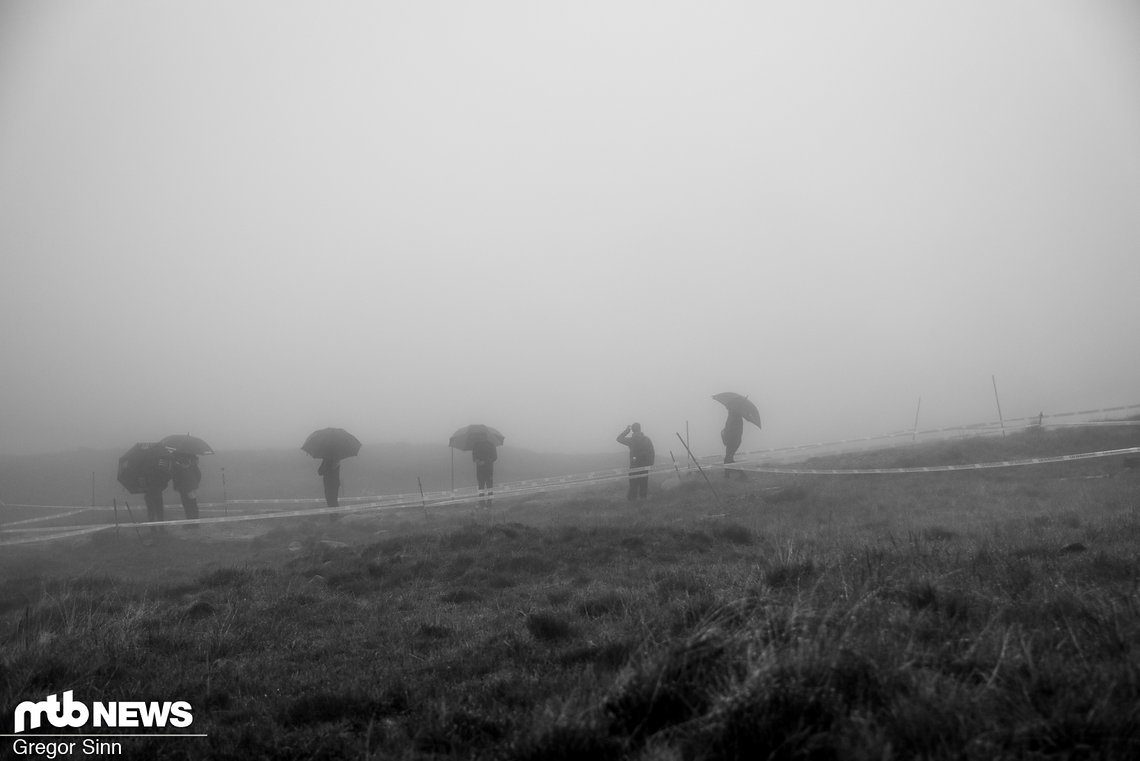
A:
[46,529]
[994,426]
[535,486]
[63,535]
[559,483]
[437,499]
[1101,411]
[53,507]
[685,463]
[1095,423]
[936,468]
[7,525]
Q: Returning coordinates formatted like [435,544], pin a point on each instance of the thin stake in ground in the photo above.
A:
[702,470]
[133,521]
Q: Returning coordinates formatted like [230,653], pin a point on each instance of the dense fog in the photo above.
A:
[248,221]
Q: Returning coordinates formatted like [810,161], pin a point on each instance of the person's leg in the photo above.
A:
[643,486]
[636,483]
[730,457]
[154,511]
[482,480]
[190,506]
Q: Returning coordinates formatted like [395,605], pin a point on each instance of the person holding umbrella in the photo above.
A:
[185,473]
[186,477]
[330,446]
[641,456]
[329,470]
[482,441]
[739,408]
[145,469]
[484,453]
[156,483]
[731,436]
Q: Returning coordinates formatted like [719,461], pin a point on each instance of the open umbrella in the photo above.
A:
[331,444]
[187,444]
[739,405]
[469,435]
[144,467]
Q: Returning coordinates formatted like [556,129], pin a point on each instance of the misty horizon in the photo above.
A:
[252,222]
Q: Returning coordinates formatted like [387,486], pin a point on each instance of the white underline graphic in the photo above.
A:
[80,737]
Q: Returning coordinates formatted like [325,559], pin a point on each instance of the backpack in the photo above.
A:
[643,450]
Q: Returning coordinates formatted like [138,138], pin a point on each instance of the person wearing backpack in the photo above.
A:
[187,477]
[484,453]
[731,436]
[157,477]
[641,457]
[329,471]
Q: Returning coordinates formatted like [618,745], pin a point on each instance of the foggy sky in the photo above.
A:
[250,220]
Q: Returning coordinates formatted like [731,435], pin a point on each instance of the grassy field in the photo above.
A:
[976,614]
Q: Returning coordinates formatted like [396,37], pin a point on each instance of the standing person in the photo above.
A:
[187,476]
[484,453]
[156,480]
[731,435]
[330,470]
[641,456]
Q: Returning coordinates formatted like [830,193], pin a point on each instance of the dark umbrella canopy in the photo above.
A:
[187,444]
[470,435]
[739,405]
[331,444]
[145,467]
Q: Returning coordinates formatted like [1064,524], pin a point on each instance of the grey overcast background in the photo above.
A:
[248,220]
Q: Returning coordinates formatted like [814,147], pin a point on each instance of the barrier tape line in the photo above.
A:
[1096,423]
[558,483]
[68,531]
[41,519]
[994,425]
[49,529]
[73,531]
[63,535]
[940,468]
[53,507]
[710,459]
[448,500]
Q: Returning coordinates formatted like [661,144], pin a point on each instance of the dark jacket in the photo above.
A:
[330,469]
[186,474]
[733,431]
[641,452]
[484,452]
[156,480]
